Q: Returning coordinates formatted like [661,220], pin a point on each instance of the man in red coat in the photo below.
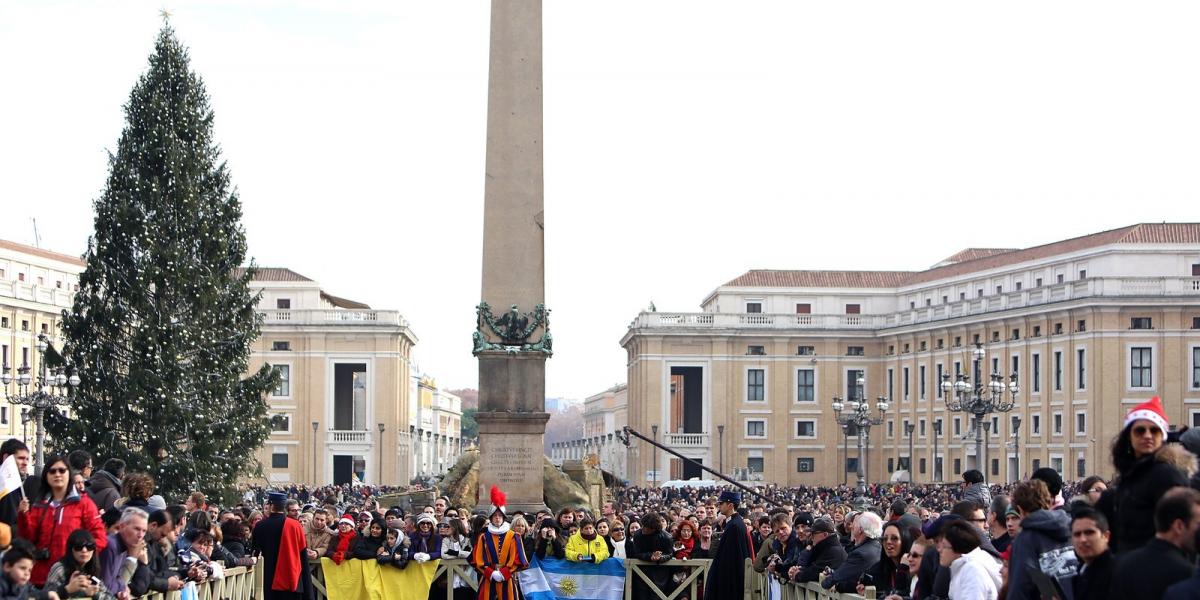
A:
[284,556]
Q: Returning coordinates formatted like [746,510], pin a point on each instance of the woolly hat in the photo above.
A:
[498,502]
[427,518]
[1150,410]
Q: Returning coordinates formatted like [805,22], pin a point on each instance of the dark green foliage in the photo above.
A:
[164,319]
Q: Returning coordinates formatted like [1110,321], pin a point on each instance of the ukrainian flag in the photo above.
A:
[557,579]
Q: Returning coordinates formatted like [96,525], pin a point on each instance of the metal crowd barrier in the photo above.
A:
[758,586]
[239,583]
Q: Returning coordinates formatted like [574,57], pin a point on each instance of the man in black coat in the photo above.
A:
[1090,535]
[651,544]
[827,552]
[727,576]
[1147,572]
[865,533]
[284,553]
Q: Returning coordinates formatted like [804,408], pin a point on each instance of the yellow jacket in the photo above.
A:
[577,546]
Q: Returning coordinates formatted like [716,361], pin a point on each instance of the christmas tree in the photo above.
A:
[164,318]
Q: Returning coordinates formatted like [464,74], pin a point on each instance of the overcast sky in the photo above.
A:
[686,141]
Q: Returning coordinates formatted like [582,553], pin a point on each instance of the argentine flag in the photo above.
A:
[558,579]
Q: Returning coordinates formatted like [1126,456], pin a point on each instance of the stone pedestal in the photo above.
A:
[511,456]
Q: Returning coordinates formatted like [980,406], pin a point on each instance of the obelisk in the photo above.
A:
[512,338]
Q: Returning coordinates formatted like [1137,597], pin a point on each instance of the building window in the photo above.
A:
[756,350]
[805,465]
[806,350]
[1037,331]
[1080,423]
[24,325]
[806,385]
[283,303]
[1081,325]
[1016,334]
[921,463]
[851,464]
[995,336]
[957,426]
[999,289]
[891,381]
[1058,423]
[806,429]
[1140,363]
[279,460]
[4,322]
[854,351]
[1196,270]
[853,390]
[995,466]
[891,429]
[891,465]
[754,464]
[1036,382]
[1141,323]
[923,346]
[975,338]
[281,423]
[1195,322]
[1056,463]
[1035,427]
[754,307]
[1058,329]
[891,349]
[958,341]
[284,389]
[281,346]
[20,277]
[756,429]
[958,466]
[1083,273]
[962,295]
[921,426]
[1080,369]
[1058,279]
[1016,363]
[756,390]
[941,343]
[906,348]
[1058,368]
[1081,468]
[1195,365]
[995,426]
[803,309]
[904,388]
[853,309]
[1037,464]
[1018,286]
[4,415]
[921,382]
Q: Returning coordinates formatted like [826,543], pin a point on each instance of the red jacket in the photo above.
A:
[48,527]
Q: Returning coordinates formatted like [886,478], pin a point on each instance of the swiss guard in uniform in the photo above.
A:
[498,555]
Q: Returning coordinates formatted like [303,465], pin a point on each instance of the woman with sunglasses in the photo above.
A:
[59,511]
[1146,468]
[77,573]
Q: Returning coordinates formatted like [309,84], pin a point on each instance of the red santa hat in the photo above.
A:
[347,519]
[498,501]
[1151,410]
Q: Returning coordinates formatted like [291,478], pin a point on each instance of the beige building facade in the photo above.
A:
[435,426]
[1090,326]
[36,286]
[605,415]
[341,411]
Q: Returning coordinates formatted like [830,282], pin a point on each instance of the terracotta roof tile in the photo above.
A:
[342,302]
[272,274]
[852,279]
[973,260]
[67,258]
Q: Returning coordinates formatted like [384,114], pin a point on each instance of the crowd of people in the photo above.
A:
[76,531]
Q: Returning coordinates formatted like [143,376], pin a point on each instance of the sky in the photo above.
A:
[686,141]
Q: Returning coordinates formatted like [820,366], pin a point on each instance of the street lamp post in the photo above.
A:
[859,415]
[381,428]
[937,462]
[908,430]
[721,447]
[654,430]
[1016,426]
[50,389]
[979,400]
[315,481]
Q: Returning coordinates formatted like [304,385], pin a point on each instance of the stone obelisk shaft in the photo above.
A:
[512,417]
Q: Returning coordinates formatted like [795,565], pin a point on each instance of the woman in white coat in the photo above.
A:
[974,574]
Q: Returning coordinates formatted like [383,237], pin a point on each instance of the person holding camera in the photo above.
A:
[59,511]
[549,541]
[77,573]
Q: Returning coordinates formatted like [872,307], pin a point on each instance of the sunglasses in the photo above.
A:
[84,547]
[1142,429]
[619,529]
[57,470]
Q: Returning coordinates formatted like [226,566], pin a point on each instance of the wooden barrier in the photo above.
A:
[758,586]
[239,583]
[696,573]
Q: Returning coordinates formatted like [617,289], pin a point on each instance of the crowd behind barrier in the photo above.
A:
[81,531]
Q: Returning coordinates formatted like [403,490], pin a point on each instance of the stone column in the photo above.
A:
[513,342]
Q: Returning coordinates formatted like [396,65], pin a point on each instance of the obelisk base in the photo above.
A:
[511,455]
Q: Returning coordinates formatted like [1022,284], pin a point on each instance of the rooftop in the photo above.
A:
[67,258]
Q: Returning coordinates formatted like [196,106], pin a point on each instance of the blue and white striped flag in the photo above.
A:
[557,579]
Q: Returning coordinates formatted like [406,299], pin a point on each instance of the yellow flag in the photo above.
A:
[368,580]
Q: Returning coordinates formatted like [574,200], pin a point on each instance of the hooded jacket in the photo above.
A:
[1129,505]
[47,527]
[1042,531]
[104,489]
[975,576]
